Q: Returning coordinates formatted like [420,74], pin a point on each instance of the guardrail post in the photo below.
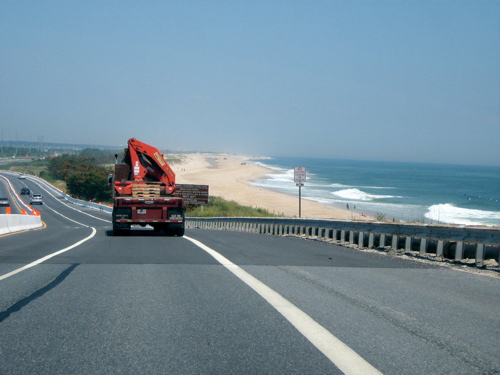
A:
[440,247]
[459,251]
[361,236]
[371,240]
[480,252]
[408,243]
[382,240]
[394,242]
[423,245]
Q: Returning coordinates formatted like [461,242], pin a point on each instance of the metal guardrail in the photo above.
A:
[449,241]
[78,202]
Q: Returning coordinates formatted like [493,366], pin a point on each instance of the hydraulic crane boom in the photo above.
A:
[147,164]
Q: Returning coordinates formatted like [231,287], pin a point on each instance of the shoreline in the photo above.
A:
[230,177]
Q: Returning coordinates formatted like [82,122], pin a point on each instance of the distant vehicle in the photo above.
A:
[25,191]
[4,202]
[36,199]
[21,177]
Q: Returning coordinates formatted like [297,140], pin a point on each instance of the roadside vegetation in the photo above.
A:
[83,175]
[219,207]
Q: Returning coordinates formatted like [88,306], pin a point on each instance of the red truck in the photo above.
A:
[144,192]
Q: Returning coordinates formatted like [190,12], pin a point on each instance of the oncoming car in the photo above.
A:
[36,199]
[21,177]
[4,202]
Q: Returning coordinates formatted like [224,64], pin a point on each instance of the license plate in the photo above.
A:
[141,211]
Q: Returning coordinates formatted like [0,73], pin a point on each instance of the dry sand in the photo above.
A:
[230,177]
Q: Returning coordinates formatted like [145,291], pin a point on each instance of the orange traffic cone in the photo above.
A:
[7,211]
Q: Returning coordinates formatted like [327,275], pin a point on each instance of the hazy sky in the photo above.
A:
[383,80]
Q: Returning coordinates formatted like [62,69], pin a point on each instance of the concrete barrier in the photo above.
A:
[4,225]
[17,223]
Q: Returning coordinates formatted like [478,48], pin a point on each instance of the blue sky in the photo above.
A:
[378,80]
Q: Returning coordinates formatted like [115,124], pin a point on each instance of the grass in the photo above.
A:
[219,207]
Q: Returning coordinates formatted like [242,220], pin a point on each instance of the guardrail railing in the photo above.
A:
[447,241]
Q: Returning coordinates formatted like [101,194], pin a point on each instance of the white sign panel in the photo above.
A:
[299,175]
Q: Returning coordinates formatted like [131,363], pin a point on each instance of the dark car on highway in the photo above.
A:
[25,191]
[4,202]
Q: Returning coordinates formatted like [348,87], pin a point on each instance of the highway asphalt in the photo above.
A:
[151,304]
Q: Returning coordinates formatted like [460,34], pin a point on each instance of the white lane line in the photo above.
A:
[67,205]
[67,218]
[342,356]
[36,262]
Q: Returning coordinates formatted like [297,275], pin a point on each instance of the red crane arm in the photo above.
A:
[148,164]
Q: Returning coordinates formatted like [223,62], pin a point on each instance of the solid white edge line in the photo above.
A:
[36,262]
[64,203]
[342,356]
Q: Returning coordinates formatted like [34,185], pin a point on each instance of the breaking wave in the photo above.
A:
[450,214]
[356,194]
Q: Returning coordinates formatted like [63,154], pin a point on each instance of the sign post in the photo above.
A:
[299,177]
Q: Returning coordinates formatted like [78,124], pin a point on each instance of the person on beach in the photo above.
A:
[347,205]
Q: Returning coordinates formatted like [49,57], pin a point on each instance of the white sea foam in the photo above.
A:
[339,186]
[356,194]
[450,214]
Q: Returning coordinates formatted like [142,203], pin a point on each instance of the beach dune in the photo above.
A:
[229,177]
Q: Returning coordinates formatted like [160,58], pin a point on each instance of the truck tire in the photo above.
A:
[179,232]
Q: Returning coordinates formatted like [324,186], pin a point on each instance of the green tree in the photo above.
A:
[62,167]
[90,185]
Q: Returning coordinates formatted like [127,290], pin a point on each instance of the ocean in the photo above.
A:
[397,191]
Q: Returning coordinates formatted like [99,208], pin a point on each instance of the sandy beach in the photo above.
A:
[230,176]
